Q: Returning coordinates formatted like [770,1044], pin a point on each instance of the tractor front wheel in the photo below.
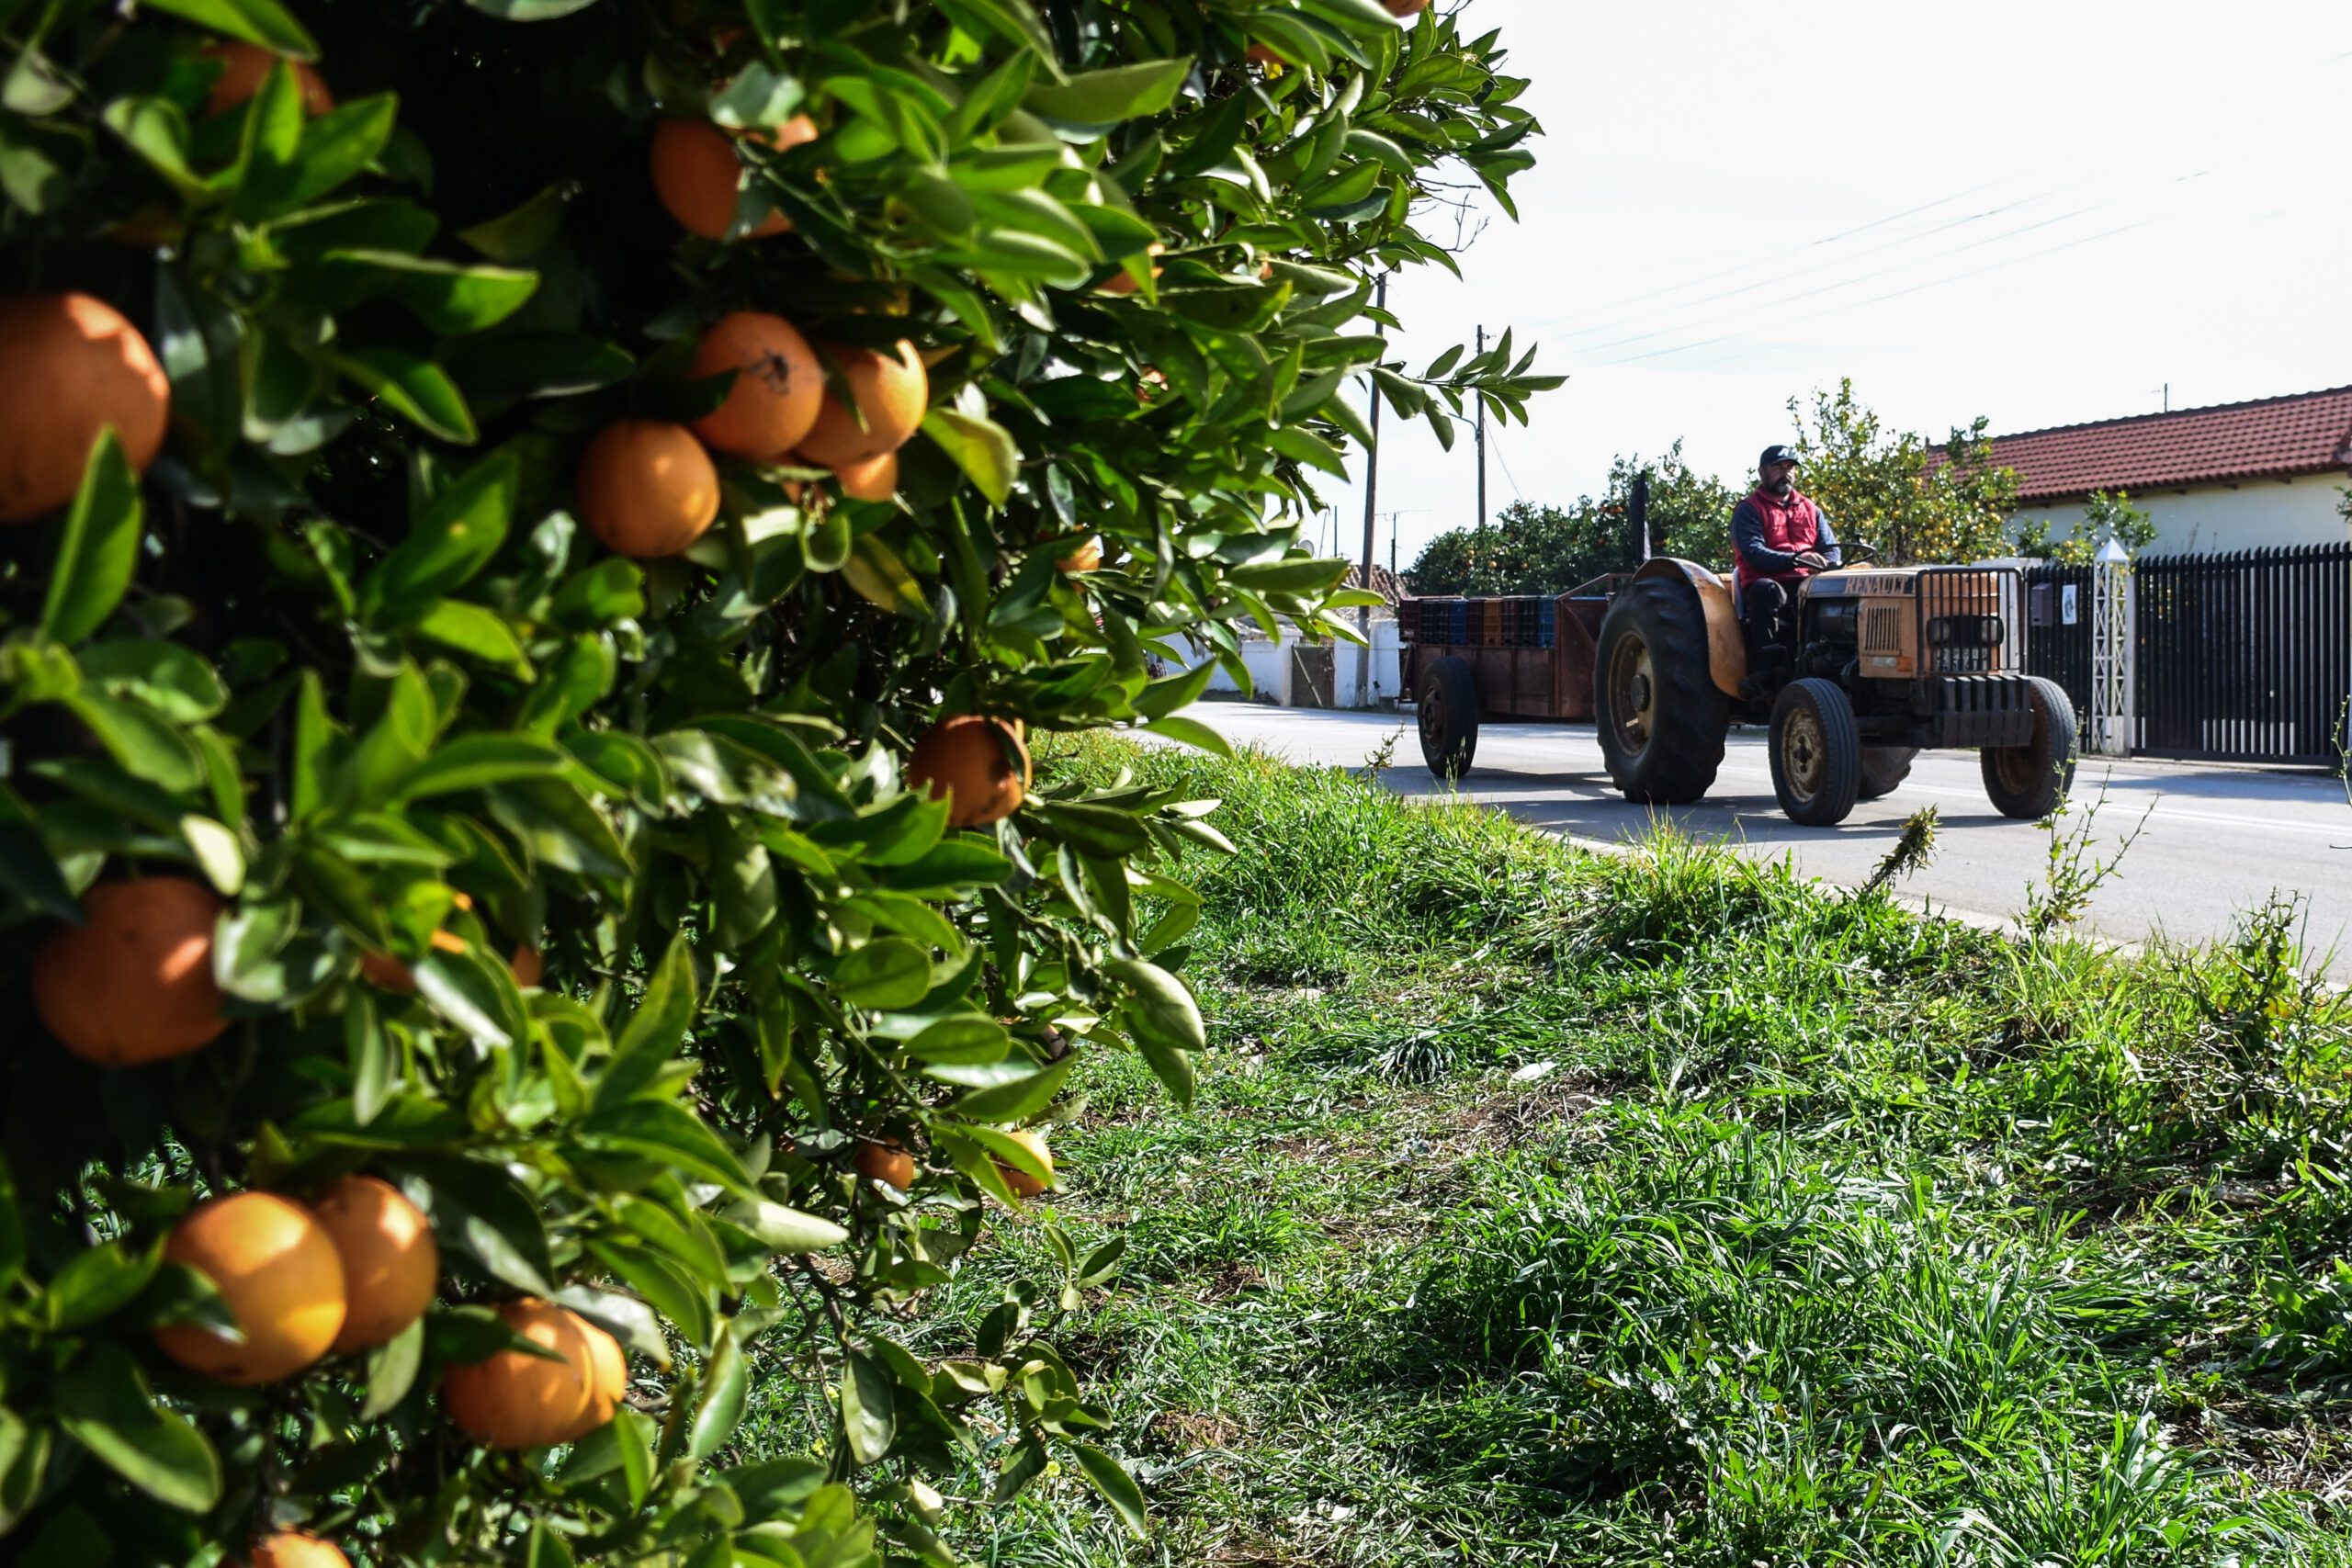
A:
[1662,717]
[1817,752]
[1448,707]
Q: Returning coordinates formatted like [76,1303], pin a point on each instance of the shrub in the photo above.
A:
[537,774]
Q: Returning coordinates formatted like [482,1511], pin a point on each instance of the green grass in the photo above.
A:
[1548,1208]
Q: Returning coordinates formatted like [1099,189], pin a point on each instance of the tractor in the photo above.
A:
[1885,661]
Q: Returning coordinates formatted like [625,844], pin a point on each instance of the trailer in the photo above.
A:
[1514,657]
[1874,664]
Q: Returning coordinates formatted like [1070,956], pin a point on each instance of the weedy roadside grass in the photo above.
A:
[1544,1207]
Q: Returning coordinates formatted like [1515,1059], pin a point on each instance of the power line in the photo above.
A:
[1898,293]
[1753,262]
[1834,261]
[1846,282]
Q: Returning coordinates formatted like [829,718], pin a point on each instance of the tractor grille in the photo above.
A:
[1883,630]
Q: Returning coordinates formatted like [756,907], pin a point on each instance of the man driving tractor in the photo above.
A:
[1779,537]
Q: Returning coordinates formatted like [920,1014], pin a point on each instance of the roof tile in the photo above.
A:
[2303,432]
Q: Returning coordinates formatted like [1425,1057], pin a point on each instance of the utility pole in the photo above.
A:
[1371,499]
[1479,554]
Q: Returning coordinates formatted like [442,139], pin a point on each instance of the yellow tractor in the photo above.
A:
[1886,660]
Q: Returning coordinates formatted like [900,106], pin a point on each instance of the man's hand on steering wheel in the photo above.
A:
[1812,560]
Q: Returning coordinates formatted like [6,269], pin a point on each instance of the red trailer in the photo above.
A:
[1516,657]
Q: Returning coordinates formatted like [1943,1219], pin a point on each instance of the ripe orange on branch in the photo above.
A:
[978,763]
[1020,1181]
[891,391]
[390,1261]
[515,1401]
[280,1275]
[133,983]
[699,177]
[71,366]
[293,1549]
[646,488]
[884,1160]
[876,479]
[244,66]
[778,386]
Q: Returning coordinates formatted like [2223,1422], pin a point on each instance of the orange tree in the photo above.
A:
[536,532]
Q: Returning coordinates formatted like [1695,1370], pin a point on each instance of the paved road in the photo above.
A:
[2215,841]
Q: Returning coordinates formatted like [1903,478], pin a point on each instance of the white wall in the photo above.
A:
[2215,519]
[1271,668]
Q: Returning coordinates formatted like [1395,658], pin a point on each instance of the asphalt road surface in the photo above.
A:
[2212,840]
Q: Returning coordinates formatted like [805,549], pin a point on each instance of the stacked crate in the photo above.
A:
[1519,620]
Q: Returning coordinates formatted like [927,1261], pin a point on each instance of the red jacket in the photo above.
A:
[1768,532]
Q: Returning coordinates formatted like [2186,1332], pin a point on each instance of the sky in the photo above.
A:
[2043,213]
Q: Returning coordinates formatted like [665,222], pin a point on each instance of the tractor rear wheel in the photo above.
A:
[1817,752]
[1662,717]
[2029,780]
[1885,768]
[1447,704]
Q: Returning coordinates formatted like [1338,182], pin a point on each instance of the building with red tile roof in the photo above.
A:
[2231,477]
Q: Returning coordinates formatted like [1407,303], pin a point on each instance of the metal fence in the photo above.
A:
[2058,630]
[2243,658]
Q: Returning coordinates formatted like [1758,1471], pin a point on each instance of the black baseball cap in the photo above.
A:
[1776,455]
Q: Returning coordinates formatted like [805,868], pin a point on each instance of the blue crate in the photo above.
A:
[1458,622]
[1548,624]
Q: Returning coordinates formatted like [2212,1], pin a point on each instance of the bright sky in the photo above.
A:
[2042,212]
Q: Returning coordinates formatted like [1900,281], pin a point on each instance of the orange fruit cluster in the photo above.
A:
[345,1274]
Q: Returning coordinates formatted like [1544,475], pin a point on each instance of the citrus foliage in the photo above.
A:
[1904,498]
[593,900]
[1550,549]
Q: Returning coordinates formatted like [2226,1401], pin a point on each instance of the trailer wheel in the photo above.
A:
[2029,780]
[1885,768]
[1448,705]
[1817,752]
[1662,718]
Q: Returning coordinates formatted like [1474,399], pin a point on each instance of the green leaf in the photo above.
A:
[1118,1488]
[1192,732]
[477,761]
[98,546]
[484,1210]
[12,1230]
[449,296]
[726,1385]
[885,975]
[557,824]
[524,232]
[477,632]
[656,1028]
[868,1415]
[417,390]
[24,1460]
[339,145]
[391,1370]
[147,746]
[173,680]
[1018,1100]
[530,10]
[1106,98]
[455,537]
[474,991]
[263,22]
[785,1231]
[659,1130]
[106,1407]
[984,449]
[95,1283]
[217,853]
[1164,1020]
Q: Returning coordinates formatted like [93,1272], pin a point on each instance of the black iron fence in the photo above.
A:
[2058,629]
[2243,658]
